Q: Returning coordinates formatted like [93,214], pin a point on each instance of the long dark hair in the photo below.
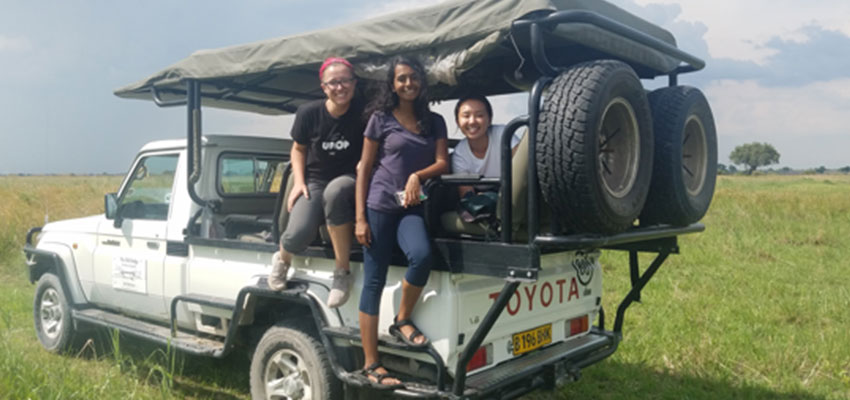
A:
[386,100]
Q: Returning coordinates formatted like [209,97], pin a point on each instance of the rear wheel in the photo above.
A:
[685,168]
[290,364]
[52,314]
[594,147]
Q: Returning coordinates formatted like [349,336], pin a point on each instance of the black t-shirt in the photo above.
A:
[333,144]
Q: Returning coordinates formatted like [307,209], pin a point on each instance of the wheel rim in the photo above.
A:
[286,377]
[619,150]
[694,155]
[51,314]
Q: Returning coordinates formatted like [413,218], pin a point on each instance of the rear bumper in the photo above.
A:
[543,369]
[546,368]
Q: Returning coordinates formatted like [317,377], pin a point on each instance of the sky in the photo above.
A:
[778,72]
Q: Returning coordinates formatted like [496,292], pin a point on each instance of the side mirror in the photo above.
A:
[110,205]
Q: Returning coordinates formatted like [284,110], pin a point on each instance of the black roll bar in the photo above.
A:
[538,52]
[637,286]
[588,17]
[193,139]
[533,119]
[507,176]
[165,103]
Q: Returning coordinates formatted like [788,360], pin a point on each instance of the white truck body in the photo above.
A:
[127,270]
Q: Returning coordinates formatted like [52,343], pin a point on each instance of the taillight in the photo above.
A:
[577,325]
[483,356]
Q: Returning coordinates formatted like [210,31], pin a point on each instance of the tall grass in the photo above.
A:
[102,365]
[756,307]
[26,202]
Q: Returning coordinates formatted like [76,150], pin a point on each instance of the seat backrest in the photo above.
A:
[519,187]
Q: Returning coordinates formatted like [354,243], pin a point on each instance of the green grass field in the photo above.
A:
[756,307]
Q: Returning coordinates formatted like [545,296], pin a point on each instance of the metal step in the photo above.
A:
[388,341]
[205,300]
[150,331]
[391,342]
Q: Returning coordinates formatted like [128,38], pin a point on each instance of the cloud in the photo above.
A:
[819,57]
[822,57]
[14,44]
[808,124]
[793,58]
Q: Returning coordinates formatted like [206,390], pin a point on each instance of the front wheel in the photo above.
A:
[52,314]
[289,364]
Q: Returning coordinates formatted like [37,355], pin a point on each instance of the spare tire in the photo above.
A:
[594,147]
[685,166]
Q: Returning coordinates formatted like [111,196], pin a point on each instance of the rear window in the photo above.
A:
[247,174]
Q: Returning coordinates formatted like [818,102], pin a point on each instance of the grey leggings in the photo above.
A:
[331,202]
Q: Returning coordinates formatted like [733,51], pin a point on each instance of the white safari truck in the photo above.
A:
[182,252]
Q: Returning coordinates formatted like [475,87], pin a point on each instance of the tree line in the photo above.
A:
[751,156]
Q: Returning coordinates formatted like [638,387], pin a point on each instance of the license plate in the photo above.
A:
[532,339]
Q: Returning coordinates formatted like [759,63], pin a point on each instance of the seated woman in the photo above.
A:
[328,138]
[405,144]
[479,152]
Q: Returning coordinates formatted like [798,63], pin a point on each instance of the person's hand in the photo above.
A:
[412,190]
[362,232]
[297,191]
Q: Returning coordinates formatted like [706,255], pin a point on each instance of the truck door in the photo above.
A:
[129,259]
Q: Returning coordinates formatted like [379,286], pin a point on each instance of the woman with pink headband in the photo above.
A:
[327,141]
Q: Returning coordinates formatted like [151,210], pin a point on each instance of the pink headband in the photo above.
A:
[334,60]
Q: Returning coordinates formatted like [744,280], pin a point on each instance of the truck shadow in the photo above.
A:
[228,378]
[618,380]
[190,376]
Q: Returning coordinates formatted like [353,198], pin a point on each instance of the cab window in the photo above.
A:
[147,194]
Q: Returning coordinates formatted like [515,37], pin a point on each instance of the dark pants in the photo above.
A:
[408,230]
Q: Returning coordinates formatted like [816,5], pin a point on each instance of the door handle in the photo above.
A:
[153,245]
[111,243]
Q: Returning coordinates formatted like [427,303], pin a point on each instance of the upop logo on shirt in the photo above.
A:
[333,146]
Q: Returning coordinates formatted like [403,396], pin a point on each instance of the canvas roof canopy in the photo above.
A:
[466,45]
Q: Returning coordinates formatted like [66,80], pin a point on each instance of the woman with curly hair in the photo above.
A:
[404,145]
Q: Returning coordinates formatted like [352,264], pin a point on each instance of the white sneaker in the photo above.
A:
[277,278]
[340,288]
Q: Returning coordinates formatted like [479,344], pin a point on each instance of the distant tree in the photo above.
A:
[754,155]
[820,170]
[785,170]
[845,170]
[733,170]
[721,169]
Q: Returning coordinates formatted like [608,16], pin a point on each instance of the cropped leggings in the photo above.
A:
[331,203]
[408,229]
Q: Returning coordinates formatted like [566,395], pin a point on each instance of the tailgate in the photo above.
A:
[560,306]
